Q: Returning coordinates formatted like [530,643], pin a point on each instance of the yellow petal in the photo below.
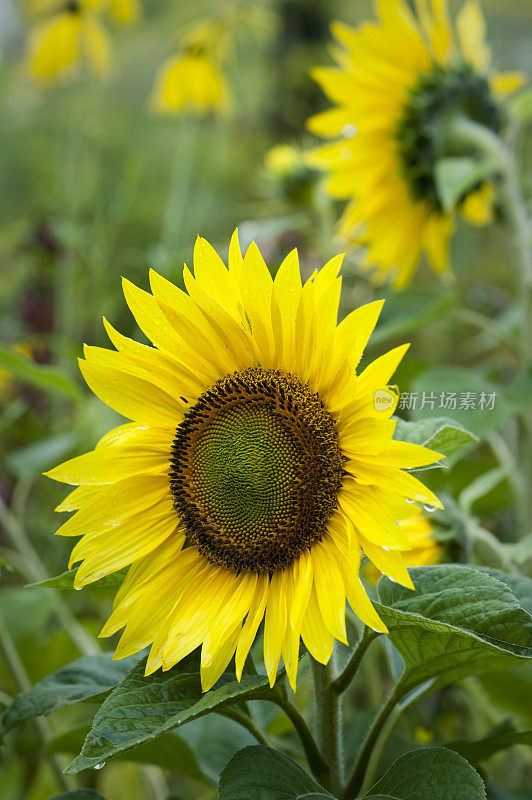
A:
[471,29]
[478,206]
[132,396]
[274,624]
[251,625]
[110,506]
[330,591]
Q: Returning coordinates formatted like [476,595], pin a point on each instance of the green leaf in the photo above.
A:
[66,580]
[261,773]
[87,677]
[494,742]
[79,794]
[169,751]
[520,585]
[141,708]
[431,773]
[455,176]
[442,434]
[458,622]
[49,379]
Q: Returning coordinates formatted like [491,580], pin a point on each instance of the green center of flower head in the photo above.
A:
[421,131]
[256,469]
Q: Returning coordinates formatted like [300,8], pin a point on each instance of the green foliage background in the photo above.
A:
[93,186]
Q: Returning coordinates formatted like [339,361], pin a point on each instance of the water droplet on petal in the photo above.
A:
[78,588]
[430,509]
[348,131]
[100,766]
[408,500]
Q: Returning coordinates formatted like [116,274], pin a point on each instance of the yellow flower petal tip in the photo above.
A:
[396,83]
[273,506]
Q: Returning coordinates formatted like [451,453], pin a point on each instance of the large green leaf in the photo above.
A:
[261,773]
[87,677]
[49,379]
[169,751]
[494,742]
[458,622]
[442,434]
[141,708]
[431,773]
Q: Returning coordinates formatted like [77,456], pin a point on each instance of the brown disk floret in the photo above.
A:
[256,469]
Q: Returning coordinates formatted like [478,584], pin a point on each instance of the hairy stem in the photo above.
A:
[343,680]
[316,761]
[328,720]
[247,722]
[358,774]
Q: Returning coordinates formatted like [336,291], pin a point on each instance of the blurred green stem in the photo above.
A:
[35,571]
[468,135]
[23,684]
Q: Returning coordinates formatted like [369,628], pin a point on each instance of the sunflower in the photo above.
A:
[397,85]
[193,79]
[73,35]
[256,468]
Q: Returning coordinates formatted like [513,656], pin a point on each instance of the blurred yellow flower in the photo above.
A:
[282,159]
[59,46]
[190,82]
[423,548]
[126,11]
[396,83]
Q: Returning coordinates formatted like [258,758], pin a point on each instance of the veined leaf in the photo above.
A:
[458,622]
[87,677]
[170,751]
[66,580]
[261,772]
[442,434]
[141,708]
[430,773]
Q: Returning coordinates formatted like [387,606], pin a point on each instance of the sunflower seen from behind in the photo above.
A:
[255,471]
[398,84]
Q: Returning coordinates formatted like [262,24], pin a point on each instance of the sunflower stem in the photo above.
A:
[328,720]
[466,133]
[316,762]
[247,722]
[371,742]
[343,680]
